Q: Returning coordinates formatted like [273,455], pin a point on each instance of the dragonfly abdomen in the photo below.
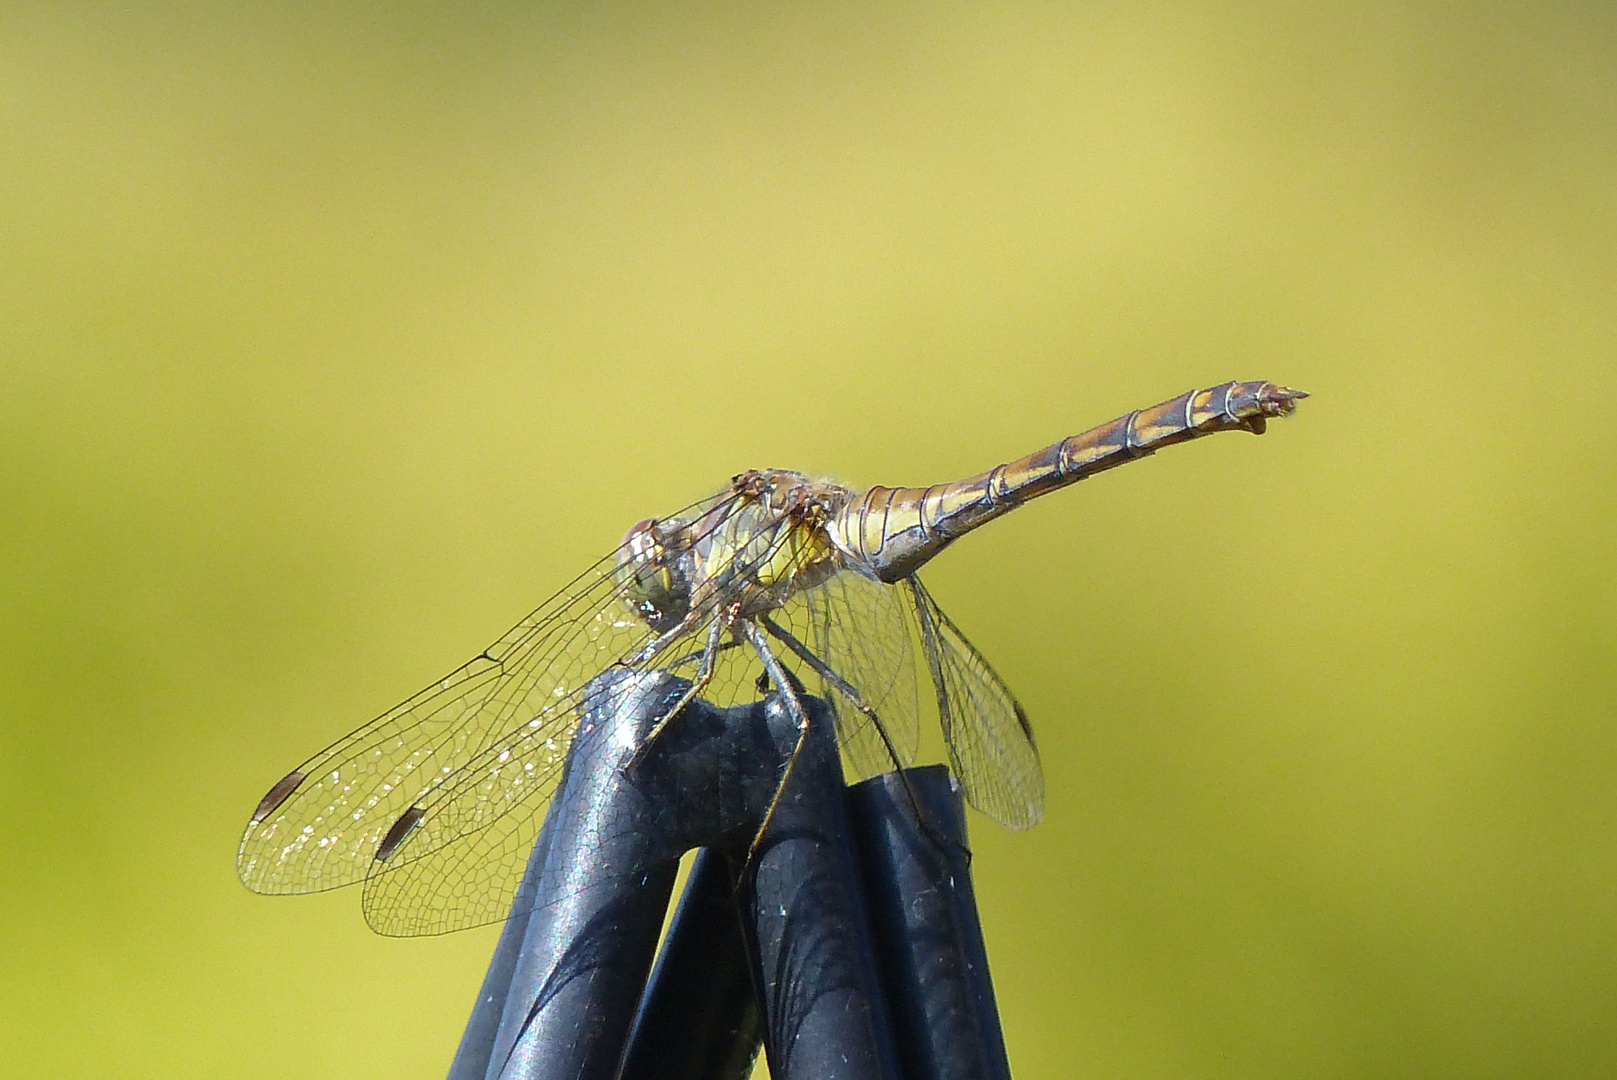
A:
[893,531]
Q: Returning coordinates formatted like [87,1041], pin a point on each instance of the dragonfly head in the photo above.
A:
[652,586]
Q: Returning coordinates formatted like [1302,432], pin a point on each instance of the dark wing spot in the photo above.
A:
[1027,726]
[283,789]
[399,830]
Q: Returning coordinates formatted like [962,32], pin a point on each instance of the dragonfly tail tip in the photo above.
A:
[1281,400]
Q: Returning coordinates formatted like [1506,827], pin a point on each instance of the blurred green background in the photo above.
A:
[335,337]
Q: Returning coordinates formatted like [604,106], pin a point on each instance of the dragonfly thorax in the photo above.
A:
[758,544]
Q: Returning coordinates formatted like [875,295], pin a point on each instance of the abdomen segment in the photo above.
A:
[895,530]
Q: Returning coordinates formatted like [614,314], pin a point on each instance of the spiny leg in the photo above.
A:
[786,686]
[841,685]
[704,675]
[661,643]
[693,657]
[847,690]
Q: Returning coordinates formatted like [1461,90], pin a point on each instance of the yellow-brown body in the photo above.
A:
[891,532]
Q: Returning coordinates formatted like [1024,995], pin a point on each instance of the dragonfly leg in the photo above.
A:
[841,685]
[661,643]
[786,685]
[847,690]
[724,646]
[704,675]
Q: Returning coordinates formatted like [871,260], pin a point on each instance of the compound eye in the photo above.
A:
[645,576]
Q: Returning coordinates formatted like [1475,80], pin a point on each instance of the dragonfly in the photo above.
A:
[434,804]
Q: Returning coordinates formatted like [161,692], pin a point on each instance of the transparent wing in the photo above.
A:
[858,628]
[470,880]
[322,825]
[990,741]
[461,857]
[444,878]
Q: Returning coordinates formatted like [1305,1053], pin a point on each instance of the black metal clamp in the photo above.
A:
[851,949]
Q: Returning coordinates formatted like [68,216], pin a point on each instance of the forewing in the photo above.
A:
[326,832]
[858,627]
[463,860]
[323,824]
[470,881]
[990,741]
